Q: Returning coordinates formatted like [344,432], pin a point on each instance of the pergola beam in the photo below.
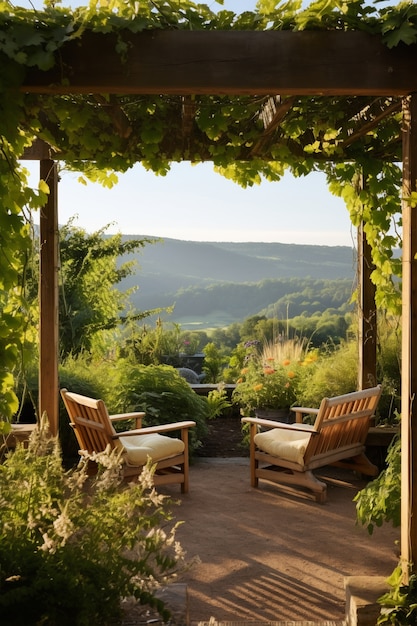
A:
[185,62]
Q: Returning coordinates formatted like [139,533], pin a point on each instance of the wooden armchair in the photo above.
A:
[288,453]
[93,427]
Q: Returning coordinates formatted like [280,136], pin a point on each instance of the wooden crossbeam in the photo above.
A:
[118,116]
[273,112]
[188,110]
[369,124]
[230,62]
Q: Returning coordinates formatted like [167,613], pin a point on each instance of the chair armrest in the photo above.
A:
[160,428]
[302,428]
[300,410]
[137,416]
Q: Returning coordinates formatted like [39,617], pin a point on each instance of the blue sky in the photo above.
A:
[195,203]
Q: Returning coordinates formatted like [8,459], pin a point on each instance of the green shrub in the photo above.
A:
[378,503]
[218,402]
[152,345]
[399,604]
[162,394]
[214,363]
[380,500]
[389,370]
[156,389]
[76,374]
[72,547]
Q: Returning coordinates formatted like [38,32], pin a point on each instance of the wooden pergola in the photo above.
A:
[309,63]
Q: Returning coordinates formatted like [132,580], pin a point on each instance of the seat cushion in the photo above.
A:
[139,447]
[284,444]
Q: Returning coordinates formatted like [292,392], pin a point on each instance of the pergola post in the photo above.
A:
[48,298]
[367,315]
[409,342]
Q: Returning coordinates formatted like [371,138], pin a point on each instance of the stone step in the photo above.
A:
[280,623]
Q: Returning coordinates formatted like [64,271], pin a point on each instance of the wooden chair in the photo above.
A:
[93,427]
[288,453]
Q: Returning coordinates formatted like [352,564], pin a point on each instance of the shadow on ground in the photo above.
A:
[267,555]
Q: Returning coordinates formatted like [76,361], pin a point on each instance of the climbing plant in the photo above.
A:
[101,134]
[15,243]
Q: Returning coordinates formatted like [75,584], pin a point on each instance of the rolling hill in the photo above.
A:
[218,283]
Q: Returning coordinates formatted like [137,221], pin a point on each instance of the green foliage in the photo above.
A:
[214,363]
[161,393]
[399,605]
[389,367]
[380,501]
[90,303]
[152,345]
[283,297]
[335,372]
[322,328]
[218,401]
[72,547]
[266,383]
[400,26]
[15,339]
[375,202]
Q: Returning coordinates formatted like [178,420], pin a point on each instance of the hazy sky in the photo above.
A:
[194,203]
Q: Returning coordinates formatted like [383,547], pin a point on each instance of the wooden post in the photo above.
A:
[48,298]
[367,315]
[409,343]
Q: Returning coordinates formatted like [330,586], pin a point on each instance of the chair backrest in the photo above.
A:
[90,420]
[343,421]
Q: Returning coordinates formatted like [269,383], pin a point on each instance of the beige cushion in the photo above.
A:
[285,444]
[139,447]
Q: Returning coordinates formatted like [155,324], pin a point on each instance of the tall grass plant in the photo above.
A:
[332,374]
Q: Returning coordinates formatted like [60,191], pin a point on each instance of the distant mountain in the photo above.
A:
[243,262]
[235,280]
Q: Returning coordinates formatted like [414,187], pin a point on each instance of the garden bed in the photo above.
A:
[224,438]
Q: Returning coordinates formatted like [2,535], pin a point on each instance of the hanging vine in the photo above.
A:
[100,135]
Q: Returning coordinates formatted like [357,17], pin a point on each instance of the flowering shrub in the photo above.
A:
[267,386]
[272,375]
[71,547]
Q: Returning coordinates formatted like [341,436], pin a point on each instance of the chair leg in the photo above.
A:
[186,465]
[318,487]
[185,484]
[254,463]
[361,464]
[306,480]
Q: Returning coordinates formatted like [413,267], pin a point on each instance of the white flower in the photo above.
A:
[49,545]
[63,526]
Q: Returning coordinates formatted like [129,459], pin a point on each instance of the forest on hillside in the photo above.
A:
[273,298]
[216,284]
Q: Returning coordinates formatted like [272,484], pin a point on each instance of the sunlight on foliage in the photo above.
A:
[72,547]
